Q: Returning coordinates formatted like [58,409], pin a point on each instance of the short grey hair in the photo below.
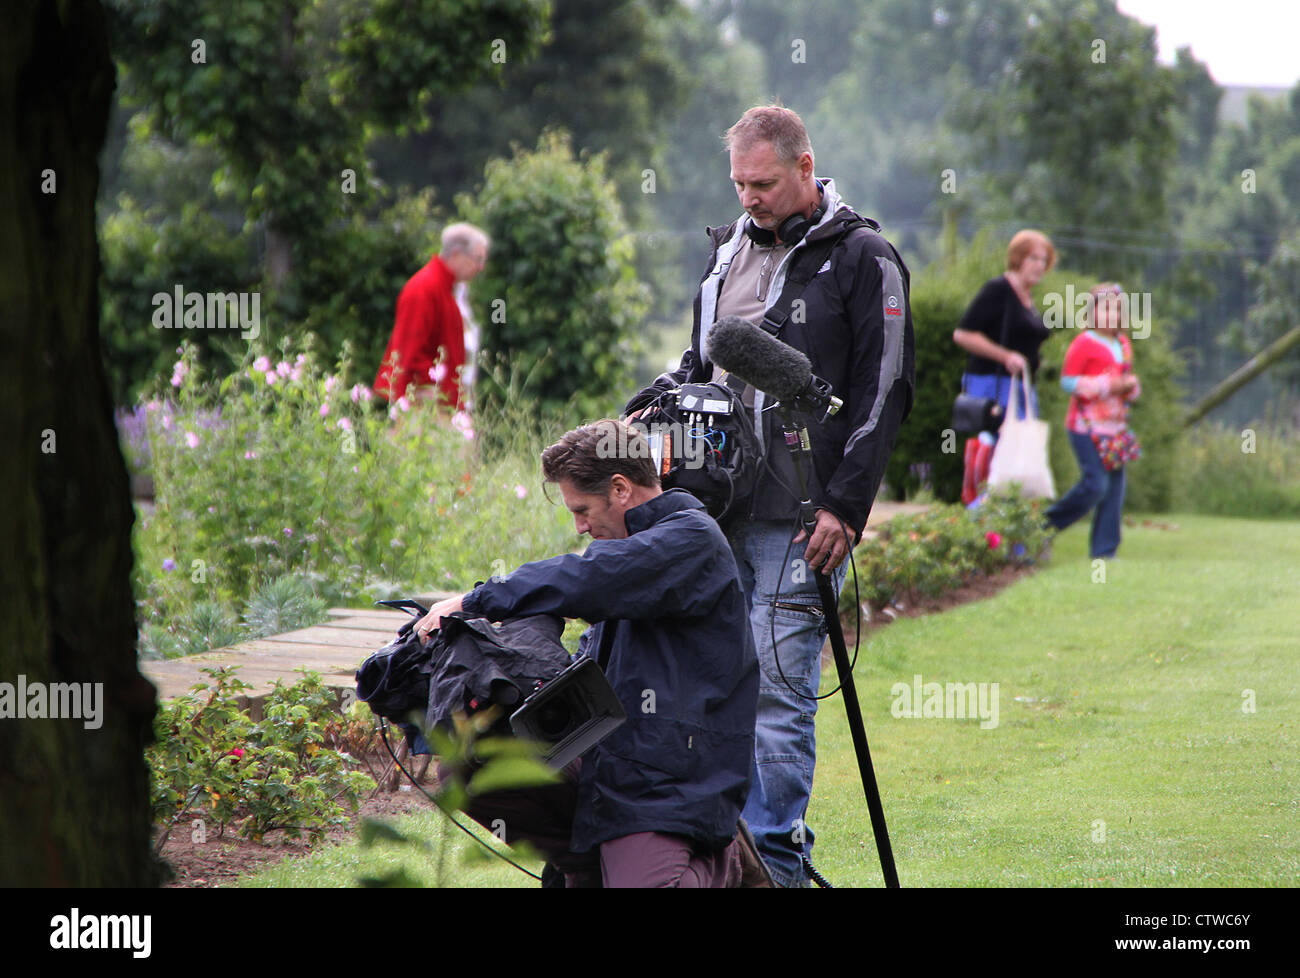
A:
[773,124]
[463,238]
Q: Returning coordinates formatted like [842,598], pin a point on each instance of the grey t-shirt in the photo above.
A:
[745,292]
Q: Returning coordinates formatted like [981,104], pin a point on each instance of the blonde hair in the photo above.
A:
[1023,243]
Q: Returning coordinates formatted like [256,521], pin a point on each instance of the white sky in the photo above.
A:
[1242,42]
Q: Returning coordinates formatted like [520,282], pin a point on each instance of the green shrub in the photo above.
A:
[256,479]
[210,761]
[283,605]
[1252,471]
[930,553]
[559,300]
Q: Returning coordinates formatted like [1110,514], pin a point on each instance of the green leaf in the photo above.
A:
[504,773]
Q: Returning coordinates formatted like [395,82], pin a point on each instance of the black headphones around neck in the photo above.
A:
[790,232]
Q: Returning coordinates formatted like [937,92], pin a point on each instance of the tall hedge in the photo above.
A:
[559,301]
[927,447]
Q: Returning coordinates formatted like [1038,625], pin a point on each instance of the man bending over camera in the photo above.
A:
[659,799]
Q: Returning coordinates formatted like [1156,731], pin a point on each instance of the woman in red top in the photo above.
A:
[1098,374]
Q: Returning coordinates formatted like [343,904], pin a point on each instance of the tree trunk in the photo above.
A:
[1243,375]
[74,796]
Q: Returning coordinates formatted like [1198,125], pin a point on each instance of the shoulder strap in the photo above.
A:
[804,266]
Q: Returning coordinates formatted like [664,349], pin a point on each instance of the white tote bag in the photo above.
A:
[1021,452]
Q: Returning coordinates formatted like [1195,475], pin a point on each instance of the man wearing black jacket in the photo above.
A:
[659,799]
[854,322]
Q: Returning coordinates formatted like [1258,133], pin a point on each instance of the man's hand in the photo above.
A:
[1015,363]
[435,616]
[828,545]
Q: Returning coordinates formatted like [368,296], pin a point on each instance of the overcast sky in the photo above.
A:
[1243,42]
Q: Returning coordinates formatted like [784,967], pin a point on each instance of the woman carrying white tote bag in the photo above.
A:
[1021,452]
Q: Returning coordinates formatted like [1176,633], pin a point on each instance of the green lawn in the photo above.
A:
[1122,755]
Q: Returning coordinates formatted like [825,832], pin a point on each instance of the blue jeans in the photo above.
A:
[1098,488]
[785,746]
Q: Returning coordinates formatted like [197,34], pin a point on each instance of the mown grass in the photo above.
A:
[1122,754]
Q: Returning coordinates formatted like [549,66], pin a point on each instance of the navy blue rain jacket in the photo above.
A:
[681,660]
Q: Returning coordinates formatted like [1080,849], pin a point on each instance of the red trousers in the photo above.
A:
[976,473]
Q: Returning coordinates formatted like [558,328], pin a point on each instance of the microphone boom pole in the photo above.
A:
[796,440]
[764,362]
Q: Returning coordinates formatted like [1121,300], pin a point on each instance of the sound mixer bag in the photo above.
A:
[703,441]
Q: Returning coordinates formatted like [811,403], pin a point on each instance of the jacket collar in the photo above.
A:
[662,506]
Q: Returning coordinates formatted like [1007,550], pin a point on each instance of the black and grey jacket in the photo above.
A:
[855,325]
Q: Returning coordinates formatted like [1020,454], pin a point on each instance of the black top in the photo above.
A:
[998,313]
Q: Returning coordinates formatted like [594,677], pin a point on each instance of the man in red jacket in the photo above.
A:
[427,349]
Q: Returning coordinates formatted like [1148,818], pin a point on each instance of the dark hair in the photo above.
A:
[591,455]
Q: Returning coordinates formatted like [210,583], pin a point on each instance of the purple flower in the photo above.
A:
[191,439]
[288,532]
[169,564]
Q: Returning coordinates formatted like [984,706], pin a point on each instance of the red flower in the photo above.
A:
[237,753]
[994,539]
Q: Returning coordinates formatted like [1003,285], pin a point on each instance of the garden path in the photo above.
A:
[335,647]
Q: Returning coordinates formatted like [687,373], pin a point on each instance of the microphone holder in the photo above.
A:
[800,448]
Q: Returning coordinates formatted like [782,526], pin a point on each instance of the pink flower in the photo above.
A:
[345,424]
[403,404]
[167,422]
[330,383]
[271,378]
[360,392]
[191,439]
[250,454]
[437,373]
[288,532]
[461,421]
[262,364]
[324,409]
[283,369]
[994,539]
[237,753]
[521,491]
[469,434]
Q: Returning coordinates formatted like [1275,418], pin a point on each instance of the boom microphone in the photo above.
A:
[762,361]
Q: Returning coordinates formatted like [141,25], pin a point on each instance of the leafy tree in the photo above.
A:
[609,73]
[288,91]
[559,299]
[1078,137]
[909,62]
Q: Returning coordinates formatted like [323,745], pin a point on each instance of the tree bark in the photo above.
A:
[74,798]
